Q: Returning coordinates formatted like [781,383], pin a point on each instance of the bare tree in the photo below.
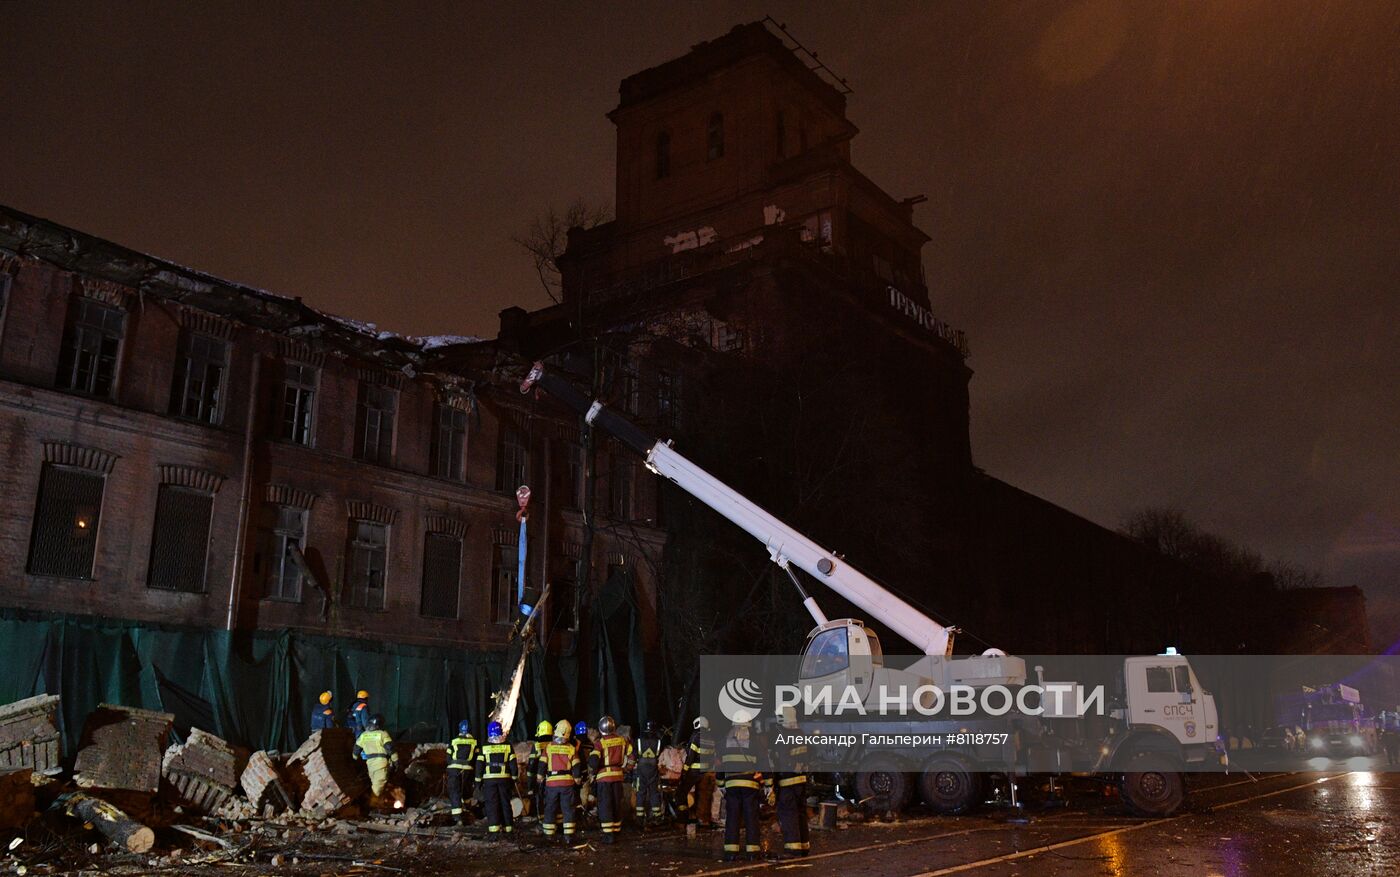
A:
[1170,532]
[546,236]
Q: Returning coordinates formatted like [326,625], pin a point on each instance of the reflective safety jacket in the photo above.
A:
[738,767]
[495,761]
[535,767]
[790,763]
[701,752]
[561,765]
[609,760]
[375,744]
[461,753]
[648,750]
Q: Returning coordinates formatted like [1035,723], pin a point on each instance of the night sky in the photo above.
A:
[1171,231]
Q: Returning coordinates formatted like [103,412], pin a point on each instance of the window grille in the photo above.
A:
[375,435]
[199,378]
[180,542]
[442,575]
[65,522]
[449,442]
[365,573]
[295,420]
[88,358]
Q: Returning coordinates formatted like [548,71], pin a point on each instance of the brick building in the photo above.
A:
[172,437]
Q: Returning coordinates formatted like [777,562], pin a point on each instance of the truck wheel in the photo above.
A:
[883,786]
[948,786]
[1153,785]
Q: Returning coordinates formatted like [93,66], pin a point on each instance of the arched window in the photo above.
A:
[714,136]
[663,154]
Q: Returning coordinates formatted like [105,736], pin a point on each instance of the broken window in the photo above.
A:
[180,541]
[714,136]
[88,359]
[199,378]
[295,420]
[284,528]
[504,581]
[663,155]
[449,442]
[511,458]
[374,433]
[442,573]
[65,522]
[620,488]
[365,574]
[729,339]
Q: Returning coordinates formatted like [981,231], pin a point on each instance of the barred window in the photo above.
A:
[199,378]
[620,496]
[504,582]
[298,404]
[66,516]
[180,543]
[449,442]
[714,136]
[365,572]
[374,432]
[284,528]
[87,360]
[442,575]
[668,411]
[511,459]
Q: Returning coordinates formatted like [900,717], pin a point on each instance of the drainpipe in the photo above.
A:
[235,585]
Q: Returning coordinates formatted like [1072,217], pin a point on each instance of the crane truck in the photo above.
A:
[1163,723]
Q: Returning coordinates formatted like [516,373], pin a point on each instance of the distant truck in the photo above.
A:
[1332,719]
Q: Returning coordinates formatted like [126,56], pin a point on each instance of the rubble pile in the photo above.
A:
[16,797]
[29,735]
[201,774]
[263,784]
[427,769]
[122,749]
[324,771]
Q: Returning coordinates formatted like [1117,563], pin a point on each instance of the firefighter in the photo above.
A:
[696,776]
[323,715]
[461,770]
[357,719]
[790,777]
[738,765]
[584,745]
[495,765]
[562,775]
[608,762]
[376,748]
[647,776]
[535,765]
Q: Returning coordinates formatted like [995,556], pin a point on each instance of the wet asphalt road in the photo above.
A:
[1340,822]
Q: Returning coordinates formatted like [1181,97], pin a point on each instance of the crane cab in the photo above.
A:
[842,653]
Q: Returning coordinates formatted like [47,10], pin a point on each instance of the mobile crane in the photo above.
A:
[1166,720]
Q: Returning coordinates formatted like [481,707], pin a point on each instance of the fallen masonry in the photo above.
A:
[122,748]
[29,735]
[325,773]
[264,785]
[201,773]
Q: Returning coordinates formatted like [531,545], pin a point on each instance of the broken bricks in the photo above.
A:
[200,773]
[122,748]
[29,735]
[325,772]
[263,784]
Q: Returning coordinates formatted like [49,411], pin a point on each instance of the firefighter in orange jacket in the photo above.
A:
[562,774]
[608,761]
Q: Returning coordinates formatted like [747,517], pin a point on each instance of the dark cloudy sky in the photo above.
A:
[1172,231]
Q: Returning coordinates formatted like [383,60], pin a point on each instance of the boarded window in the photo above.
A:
[365,570]
[375,429]
[504,581]
[199,378]
[180,543]
[442,575]
[65,522]
[511,459]
[449,442]
[663,155]
[714,136]
[298,403]
[284,529]
[88,359]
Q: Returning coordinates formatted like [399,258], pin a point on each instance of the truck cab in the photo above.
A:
[1164,696]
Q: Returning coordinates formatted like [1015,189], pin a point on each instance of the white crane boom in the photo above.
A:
[785,544]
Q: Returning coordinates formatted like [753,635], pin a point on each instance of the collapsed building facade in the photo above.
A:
[220,501]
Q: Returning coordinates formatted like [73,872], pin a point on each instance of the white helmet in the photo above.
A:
[702,724]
